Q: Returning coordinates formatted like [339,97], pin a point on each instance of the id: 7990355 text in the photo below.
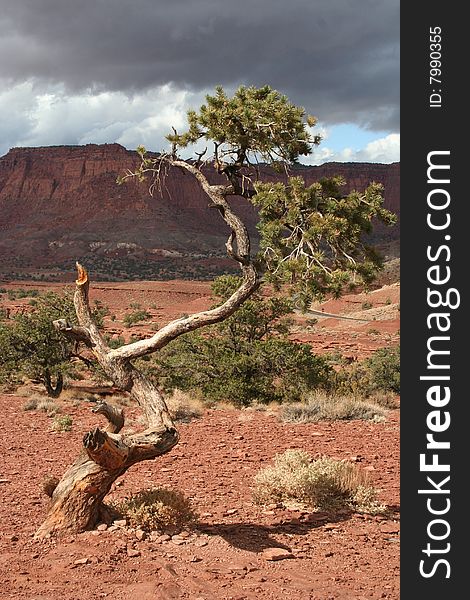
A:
[435,67]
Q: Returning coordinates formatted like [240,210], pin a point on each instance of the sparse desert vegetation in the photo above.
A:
[157,510]
[324,406]
[224,451]
[62,423]
[184,407]
[137,316]
[323,484]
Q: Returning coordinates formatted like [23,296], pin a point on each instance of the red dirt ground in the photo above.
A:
[166,300]
[334,557]
[342,557]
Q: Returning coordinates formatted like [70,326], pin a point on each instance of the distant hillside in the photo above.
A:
[61,203]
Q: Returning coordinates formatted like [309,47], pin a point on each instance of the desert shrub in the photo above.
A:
[32,348]
[261,370]
[351,379]
[22,293]
[323,406]
[156,509]
[47,405]
[378,373]
[384,369]
[30,404]
[62,423]
[384,399]
[136,317]
[322,484]
[245,359]
[114,341]
[184,407]
[100,310]
[366,305]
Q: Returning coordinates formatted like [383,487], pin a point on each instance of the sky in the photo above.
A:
[126,71]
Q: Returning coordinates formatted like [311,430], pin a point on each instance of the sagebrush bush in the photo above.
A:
[30,404]
[156,509]
[48,406]
[324,406]
[184,407]
[385,399]
[62,423]
[322,484]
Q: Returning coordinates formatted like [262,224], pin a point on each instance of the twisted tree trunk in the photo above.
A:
[53,392]
[77,500]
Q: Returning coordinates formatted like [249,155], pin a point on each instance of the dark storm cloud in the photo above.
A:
[338,58]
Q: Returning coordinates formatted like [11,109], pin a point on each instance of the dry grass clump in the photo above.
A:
[389,400]
[25,390]
[321,406]
[30,404]
[184,407]
[270,408]
[73,394]
[43,404]
[62,423]
[322,484]
[49,406]
[157,509]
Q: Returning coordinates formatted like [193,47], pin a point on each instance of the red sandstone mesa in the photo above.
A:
[60,203]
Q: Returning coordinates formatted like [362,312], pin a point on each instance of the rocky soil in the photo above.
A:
[377,311]
[231,552]
[237,550]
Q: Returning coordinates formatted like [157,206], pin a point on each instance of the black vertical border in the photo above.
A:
[425,129]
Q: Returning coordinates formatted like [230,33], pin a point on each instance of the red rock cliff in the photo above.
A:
[62,202]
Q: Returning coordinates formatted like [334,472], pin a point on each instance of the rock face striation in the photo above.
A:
[61,203]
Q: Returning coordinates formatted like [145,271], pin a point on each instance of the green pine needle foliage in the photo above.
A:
[313,237]
[30,345]
[247,358]
[256,122]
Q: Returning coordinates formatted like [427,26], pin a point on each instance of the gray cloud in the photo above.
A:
[337,58]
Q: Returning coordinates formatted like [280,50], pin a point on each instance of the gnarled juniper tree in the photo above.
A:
[311,240]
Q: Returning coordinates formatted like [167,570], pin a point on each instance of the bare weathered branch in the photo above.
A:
[199,157]
[73,332]
[239,235]
[106,450]
[114,416]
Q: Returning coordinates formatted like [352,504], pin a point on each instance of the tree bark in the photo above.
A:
[53,392]
[77,501]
